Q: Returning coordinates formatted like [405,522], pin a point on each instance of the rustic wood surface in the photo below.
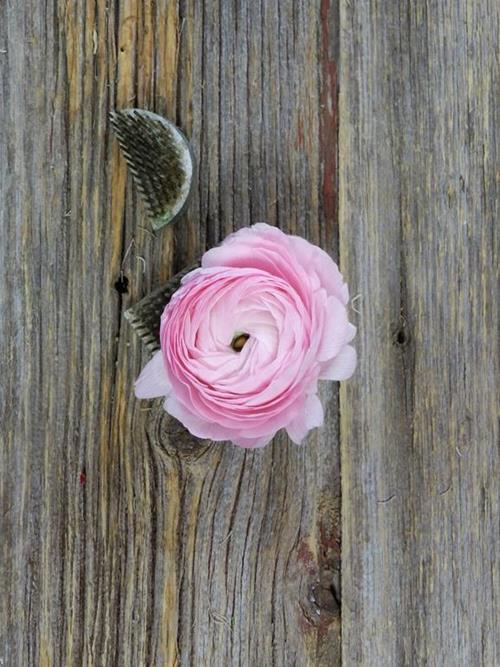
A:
[122,541]
[419,211]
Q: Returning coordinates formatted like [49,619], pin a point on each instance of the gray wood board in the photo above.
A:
[419,212]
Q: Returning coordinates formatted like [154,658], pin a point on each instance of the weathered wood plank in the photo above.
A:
[419,120]
[117,548]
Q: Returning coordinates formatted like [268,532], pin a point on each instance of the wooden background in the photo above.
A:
[370,128]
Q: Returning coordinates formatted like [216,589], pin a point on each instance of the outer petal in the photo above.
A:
[351,332]
[335,330]
[342,367]
[196,425]
[253,443]
[317,260]
[310,417]
[153,381]
[207,430]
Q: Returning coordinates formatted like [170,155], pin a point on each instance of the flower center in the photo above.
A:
[239,340]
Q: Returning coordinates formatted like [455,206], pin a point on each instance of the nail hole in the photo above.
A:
[121,285]
[401,338]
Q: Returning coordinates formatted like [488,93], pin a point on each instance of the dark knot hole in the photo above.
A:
[401,337]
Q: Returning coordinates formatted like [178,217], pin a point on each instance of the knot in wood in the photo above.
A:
[172,439]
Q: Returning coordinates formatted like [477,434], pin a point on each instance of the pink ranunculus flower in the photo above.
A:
[246,338]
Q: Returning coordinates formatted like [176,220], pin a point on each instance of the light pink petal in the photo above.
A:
[334,330]
[351,332]
[196,425]
[310,417]
[342,367]
[153,381]
[252,443]
[191,275]
[204,429]
[317,260]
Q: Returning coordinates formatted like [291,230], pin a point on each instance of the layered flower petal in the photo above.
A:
[153,381]
[342,367]
[335,332]
[311,416]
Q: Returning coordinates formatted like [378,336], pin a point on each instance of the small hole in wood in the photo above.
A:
[401,337]
[121,285]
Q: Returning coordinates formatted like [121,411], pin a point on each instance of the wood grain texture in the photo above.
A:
[419,212]
[118,545]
